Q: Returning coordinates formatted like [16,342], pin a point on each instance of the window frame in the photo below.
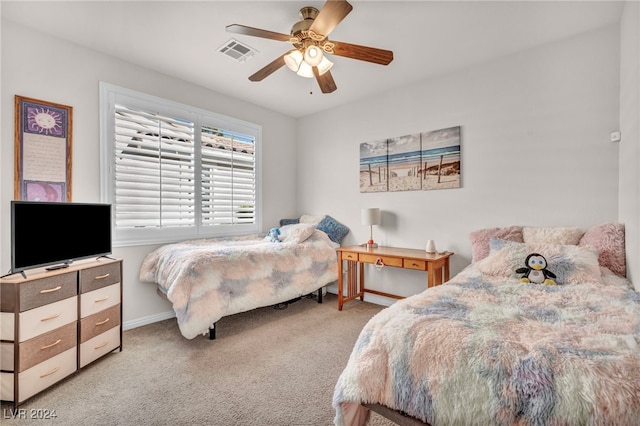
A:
[110,95]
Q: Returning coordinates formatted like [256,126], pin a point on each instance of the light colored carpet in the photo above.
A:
[266,367]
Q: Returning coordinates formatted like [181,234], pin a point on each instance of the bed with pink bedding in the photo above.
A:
[208,279]
[487,348]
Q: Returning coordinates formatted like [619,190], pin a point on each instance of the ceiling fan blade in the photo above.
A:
[269,69]
[325,81]
[257,32]
[331,14]
[362,53]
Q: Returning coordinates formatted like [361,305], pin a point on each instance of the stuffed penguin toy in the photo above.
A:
[536,270]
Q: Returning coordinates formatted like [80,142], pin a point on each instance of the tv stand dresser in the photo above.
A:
[55,322]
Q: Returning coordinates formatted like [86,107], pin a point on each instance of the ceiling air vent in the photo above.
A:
[237,50]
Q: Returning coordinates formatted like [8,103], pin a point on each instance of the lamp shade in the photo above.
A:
[305,70]
[313,55]
[324,65]
[293,59]
[371,216]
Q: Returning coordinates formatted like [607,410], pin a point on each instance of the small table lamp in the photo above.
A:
[371,217]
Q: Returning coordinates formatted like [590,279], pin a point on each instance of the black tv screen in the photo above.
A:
[45,234]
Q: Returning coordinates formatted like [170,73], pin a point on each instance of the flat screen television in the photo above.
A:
[46,234]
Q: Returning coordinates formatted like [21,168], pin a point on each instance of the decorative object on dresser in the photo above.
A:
[56,321]
[431,246]
[371,217]
[436,265]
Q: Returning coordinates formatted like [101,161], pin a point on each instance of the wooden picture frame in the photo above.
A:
[42,150]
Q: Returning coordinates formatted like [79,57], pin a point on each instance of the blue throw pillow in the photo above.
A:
[284,222]
[334,229]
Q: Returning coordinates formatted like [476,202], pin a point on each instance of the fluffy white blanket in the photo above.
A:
[211,278]
[487,349]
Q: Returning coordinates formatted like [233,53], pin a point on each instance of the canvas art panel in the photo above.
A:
[373,166]
[420,161]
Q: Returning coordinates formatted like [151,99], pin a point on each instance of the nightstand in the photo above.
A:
[435,264]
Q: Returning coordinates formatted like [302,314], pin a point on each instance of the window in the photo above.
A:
[174,172]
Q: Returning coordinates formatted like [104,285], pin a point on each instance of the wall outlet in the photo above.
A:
[615,136]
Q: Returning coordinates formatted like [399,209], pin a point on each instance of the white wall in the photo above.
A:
[535,142]
[629,199]
[41,67]
[536,151]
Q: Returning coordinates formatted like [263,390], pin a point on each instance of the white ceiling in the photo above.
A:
[428,38]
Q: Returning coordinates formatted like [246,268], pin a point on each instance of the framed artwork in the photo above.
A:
[420,161]
[43,138]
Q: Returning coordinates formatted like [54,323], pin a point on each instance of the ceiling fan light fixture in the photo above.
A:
[293,59]
[324,65]
[313,55]
[305,70]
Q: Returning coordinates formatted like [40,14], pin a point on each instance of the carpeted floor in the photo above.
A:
[266,367]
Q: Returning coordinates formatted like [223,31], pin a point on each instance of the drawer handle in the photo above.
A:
[100,277]
[102,299]
[103,322]
[51,345]
[102,345]
[51,317]
[55,370]
[379,263]
[414,264]
[50,290]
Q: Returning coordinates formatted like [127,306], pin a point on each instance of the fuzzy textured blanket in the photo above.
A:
[485,349]
[208,279]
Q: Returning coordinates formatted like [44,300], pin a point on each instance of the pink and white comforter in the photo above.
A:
[208,279]
[488,349]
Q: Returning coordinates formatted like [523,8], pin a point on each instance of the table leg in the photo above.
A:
[446,269]
[340,283]
[431,275]
[361,281]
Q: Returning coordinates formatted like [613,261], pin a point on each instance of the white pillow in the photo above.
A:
[313,219]
[296,233]
[552,235]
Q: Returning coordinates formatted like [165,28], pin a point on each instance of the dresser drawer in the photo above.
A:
[99,276]
[350,256]
[98,300]
[99,322]
[46,318]
[48,345]
[388,261]
[39,377]
[98,346]
[43,291]
[415,264]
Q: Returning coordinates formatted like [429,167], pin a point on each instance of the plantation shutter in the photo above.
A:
[154,170]
[228,169]
[174,172]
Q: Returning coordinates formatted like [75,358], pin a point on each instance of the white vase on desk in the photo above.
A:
[431,246]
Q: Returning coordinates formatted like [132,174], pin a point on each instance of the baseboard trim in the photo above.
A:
[128,325]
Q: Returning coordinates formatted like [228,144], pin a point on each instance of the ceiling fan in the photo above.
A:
[310,40]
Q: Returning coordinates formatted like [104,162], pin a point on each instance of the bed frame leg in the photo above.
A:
[320,295]
[212,332]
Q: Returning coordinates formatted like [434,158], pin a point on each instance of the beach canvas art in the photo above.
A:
[420,161]
[373,166]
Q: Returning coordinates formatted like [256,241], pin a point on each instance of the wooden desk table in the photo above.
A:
[436,265]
